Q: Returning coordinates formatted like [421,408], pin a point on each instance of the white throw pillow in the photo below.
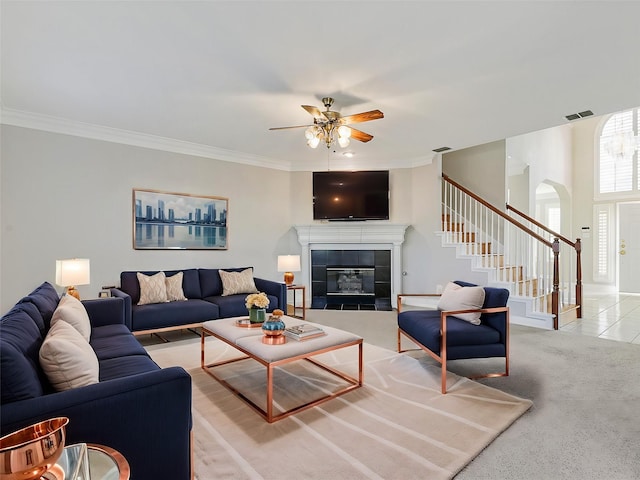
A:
[153,289]
[455,297]
[67,359]
[72,311]
[174,288]
[237,282]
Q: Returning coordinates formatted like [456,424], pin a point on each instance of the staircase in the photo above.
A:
[541,273]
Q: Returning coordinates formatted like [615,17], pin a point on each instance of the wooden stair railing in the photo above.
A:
[497,234]
[575,246]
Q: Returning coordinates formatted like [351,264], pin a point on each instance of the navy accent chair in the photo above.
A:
[445,337]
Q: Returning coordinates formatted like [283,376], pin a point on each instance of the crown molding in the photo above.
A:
[37,121]
[343,163]
[48,123]
[420,161]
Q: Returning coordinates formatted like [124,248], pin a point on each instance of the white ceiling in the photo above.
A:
[211,77]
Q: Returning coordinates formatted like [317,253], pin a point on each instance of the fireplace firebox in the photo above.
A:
[351,279]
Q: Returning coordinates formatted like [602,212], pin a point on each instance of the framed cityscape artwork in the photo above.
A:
[178,221]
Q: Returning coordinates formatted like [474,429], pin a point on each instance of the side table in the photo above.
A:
[83,461]
[292,308]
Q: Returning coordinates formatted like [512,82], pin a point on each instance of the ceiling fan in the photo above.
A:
[326,125]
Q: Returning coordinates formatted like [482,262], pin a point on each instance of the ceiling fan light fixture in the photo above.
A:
[310,132]
[344,131]
[313,142]
[332,128]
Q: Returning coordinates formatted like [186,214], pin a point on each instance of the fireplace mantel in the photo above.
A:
[380,236]
[349,233]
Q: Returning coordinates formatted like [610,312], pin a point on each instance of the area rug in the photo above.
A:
[397,426]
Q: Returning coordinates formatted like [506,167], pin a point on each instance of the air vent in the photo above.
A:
[576,116]
[441,149]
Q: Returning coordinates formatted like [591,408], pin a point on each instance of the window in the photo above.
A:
[602,244]
[617,171]
[619,168]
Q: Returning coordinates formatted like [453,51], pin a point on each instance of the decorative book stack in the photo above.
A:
[304,331]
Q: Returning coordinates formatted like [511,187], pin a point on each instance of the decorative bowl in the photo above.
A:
[273,329]
[29,453]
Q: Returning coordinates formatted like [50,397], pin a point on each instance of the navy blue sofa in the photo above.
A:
[137,408]
[203,289]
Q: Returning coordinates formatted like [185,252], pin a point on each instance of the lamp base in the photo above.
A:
[288,278]
[71,290]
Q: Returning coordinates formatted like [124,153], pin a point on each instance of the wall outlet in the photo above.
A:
[438,289]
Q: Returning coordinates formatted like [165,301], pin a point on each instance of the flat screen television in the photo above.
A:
[343,196]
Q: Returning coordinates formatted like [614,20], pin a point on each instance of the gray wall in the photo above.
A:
[548,156]
[518,191]
[400,201]
[425,262]
[482,169]
[64,197]
[415,200]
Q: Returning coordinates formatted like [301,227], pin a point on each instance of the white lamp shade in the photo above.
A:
[288,263]
[74,271]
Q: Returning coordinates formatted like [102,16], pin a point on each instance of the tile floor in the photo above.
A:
[612,316]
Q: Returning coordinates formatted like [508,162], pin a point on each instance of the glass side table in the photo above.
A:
[293,308]
[83,461]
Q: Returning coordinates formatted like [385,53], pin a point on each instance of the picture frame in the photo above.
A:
[179,221]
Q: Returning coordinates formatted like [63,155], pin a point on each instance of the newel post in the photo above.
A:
[555,310]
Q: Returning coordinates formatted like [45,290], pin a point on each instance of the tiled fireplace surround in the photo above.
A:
[350,242]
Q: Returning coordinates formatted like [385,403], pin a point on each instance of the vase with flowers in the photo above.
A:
[257,304]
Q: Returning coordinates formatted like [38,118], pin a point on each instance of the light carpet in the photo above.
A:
[397,425]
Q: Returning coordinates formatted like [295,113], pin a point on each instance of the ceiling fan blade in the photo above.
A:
[285,128]
[362,117]
[361,136]
[315,111]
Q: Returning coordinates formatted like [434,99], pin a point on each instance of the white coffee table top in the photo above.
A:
[250,339]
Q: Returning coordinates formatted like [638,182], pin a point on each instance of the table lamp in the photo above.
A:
[72,272]
[288,264]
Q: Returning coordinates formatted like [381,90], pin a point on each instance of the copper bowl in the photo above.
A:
[28,453]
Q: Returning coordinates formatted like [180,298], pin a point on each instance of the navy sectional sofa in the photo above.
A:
[203,289]
[137,408]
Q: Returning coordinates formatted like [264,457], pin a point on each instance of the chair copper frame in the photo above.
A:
[442,358]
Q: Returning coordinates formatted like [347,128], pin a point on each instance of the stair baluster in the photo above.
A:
[529,259]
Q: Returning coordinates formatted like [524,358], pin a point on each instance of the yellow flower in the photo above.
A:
[257,300]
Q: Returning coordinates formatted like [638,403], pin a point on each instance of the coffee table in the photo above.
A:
[249,342]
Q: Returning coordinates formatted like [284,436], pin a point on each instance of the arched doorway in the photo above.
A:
[553,208]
